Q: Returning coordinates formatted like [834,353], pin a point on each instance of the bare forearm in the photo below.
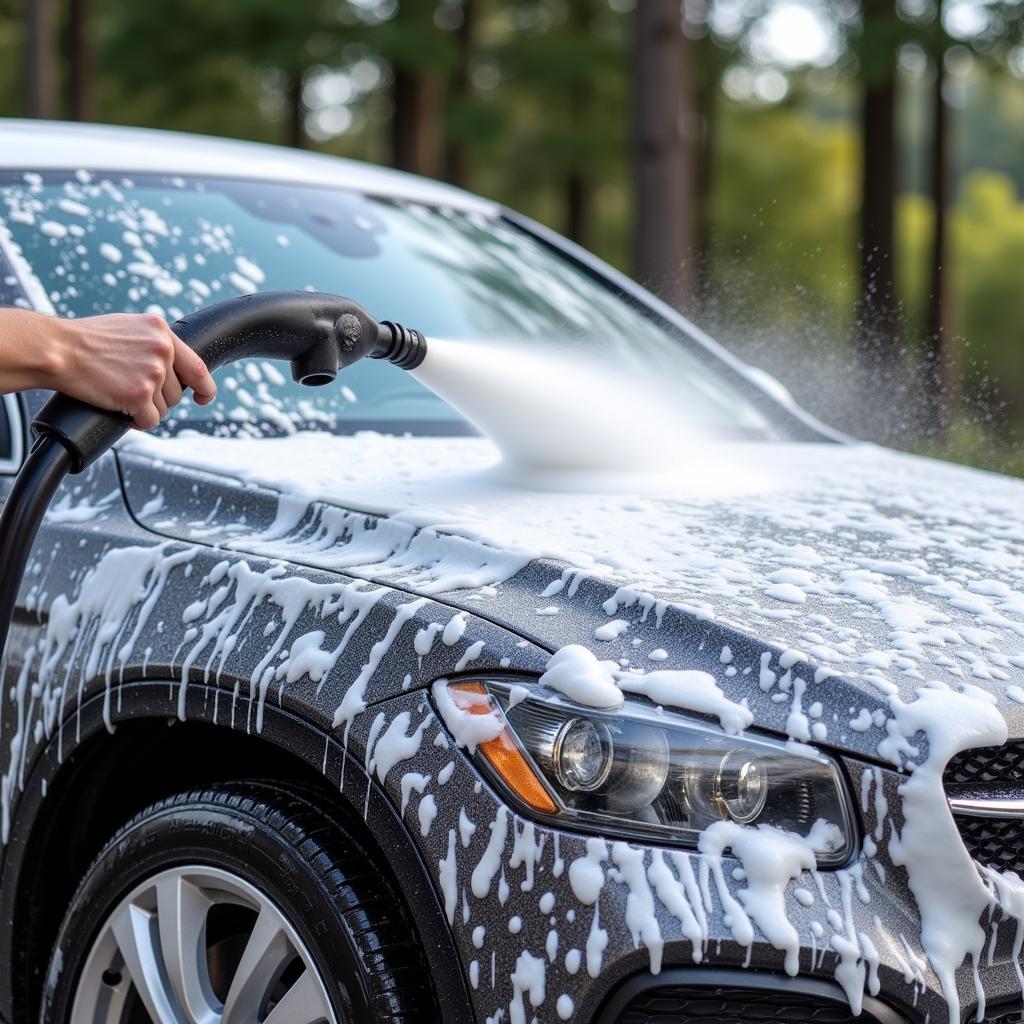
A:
[126,362]
[33,350]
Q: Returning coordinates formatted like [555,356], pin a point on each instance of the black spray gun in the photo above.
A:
[318,334]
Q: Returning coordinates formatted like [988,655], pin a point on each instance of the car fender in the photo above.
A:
[360,796]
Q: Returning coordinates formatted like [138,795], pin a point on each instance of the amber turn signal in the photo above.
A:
[503,753]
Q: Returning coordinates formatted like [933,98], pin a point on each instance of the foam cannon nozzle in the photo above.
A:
[318,334]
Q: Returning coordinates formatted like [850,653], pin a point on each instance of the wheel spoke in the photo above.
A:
[181,916]
[102,983]
[135,930]
[265,955]
[303,1003]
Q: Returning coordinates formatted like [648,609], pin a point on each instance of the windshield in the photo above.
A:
[170,245]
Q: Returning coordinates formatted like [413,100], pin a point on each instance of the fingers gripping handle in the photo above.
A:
[317,333]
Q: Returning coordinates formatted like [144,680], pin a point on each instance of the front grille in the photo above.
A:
[688,1004]
[1004,1015]
[995,842]
[987,767]
[992,773]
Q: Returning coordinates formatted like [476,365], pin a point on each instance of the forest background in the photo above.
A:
[832,188]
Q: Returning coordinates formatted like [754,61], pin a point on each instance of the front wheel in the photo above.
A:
[238,904]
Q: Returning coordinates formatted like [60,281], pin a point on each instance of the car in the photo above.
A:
[485,692]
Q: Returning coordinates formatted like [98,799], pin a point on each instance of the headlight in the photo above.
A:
[643,772]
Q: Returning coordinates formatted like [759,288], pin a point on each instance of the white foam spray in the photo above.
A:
[551,411]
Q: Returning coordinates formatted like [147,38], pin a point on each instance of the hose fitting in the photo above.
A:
[404,347]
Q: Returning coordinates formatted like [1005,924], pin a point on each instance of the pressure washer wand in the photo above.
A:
[318,334]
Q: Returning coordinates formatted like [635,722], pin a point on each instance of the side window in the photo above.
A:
[11,446]
[11,438]
[11,293]
[11,421]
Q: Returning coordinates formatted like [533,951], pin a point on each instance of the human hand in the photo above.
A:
[130,363]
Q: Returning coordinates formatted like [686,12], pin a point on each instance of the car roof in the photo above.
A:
[60,145]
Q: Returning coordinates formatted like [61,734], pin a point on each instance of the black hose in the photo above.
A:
[34,486]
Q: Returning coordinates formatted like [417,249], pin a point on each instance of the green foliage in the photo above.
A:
[783,207]
[988,227]
[412,40]
[212,58]
[562,103]
[549,106]
[10,57]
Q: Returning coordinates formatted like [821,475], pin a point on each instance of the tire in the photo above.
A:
[250,851]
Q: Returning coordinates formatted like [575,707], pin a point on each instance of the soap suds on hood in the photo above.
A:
[576,673]
[927,558]
[688,691]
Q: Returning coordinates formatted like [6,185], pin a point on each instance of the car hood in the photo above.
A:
[817,583]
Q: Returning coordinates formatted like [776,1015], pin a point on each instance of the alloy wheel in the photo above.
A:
[199,945]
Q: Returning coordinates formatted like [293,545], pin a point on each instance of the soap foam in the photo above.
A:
[553,412]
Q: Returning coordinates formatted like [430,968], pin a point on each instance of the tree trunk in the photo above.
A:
[707,110]
[578,184]
[416,122]
[40,59]
[877,335]
[296,113]
[456,151]
[79,62]
[940,385]
[578,208]
[664,153]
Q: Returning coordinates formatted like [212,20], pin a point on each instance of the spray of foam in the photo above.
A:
[554,413]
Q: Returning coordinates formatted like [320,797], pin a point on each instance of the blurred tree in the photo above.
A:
[716,45]
[712,59]
[990,128]
[224,66]
[996,33]
[79,61]
[780,175]
[664,152]
[987,232]
[940,326]
[564,91]
[579,193]
[460,100]
[40,59]
[877,316]
[420,56]
[11,53]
